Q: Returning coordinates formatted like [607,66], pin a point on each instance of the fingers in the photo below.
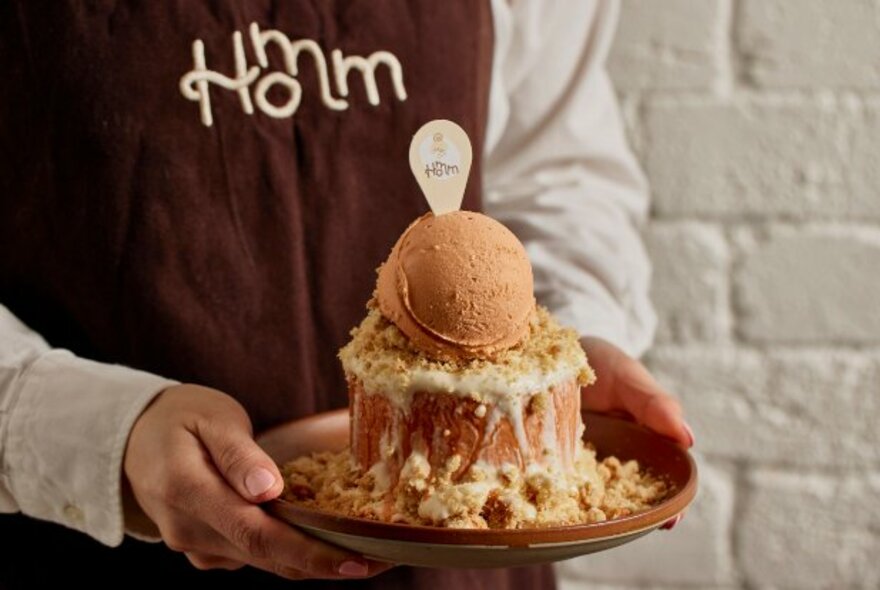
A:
[268,540]
[623,383]
[670,524]
[295,574]
[347,571]
[290,553]
[196,471]
[643,397]
[652,407]
[223,531]
[204,561]
[270,544]
[241,462]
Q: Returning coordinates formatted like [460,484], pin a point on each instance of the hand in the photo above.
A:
[623,384]
[194,469]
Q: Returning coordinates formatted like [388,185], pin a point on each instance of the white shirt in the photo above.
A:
[557,172]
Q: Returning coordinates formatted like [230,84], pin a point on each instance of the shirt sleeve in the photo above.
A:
[559,172]
[64,425]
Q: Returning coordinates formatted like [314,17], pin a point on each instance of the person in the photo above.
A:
[194,199]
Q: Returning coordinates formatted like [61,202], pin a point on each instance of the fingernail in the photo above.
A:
[690,433]
[670,524]
[259,481]
[353,569]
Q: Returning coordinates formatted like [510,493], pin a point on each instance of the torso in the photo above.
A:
[236,255]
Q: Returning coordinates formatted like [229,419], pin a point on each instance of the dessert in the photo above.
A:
[465,397]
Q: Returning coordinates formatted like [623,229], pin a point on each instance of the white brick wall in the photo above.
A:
[758,123]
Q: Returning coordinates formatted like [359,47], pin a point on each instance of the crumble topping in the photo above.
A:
[486,497]
[384,360]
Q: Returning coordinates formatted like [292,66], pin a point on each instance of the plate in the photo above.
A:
[427,546]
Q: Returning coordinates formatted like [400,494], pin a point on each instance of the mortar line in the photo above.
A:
[741,497]
[727,81]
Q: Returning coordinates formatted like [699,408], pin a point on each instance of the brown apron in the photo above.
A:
[238,255]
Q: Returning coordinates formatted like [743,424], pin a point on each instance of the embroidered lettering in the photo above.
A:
[263,86]
[195,84]
[291,52]
[342,65]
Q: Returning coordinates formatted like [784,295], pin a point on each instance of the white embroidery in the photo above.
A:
[240,68]
[342,65]
[195,84]
[291,55]
[267,107]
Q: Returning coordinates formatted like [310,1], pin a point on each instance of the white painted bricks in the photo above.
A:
[792,408]
[758,123]
[803,530]
[671,47]
[814,285]
[810,43]
[690,282]
[752,157]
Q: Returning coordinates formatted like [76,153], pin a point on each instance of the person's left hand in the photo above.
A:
[624,385]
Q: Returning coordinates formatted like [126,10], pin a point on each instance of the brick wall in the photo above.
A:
[758,123]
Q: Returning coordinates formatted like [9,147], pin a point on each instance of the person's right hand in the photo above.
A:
[196,472]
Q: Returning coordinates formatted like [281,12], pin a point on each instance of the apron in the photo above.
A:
[223,230]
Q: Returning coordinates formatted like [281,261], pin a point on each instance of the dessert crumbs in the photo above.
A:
[485,497]
[386,353]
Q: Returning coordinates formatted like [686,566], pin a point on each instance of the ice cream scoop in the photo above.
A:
[458,285]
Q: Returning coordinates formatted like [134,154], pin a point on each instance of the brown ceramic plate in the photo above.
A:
[444,547]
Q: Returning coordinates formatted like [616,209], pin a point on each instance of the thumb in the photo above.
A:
[241,462]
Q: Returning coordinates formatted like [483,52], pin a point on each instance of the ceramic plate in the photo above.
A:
[443,547]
